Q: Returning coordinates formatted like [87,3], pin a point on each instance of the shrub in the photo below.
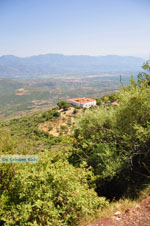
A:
[64,129]
[69,122]
[98,102]
[56,114]
[50,114]
[116,142]
[50,128]
[77,107]
[51,192]
[75,111]
[63,105]
[55,108]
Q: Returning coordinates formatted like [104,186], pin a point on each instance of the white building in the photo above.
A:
[83,102]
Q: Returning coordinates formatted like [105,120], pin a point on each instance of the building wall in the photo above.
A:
[85,105]
[89,104]
[73,103]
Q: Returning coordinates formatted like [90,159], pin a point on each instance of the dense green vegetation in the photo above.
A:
[63,104]
[115,141]
[48,192]
[108,155]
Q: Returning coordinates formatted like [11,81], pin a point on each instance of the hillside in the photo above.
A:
[139,216]
[63,124]
[18,98]
[8,86]
[58,64]
[97,162]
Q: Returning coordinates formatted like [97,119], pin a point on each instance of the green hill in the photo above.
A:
[25,97]
[106,157]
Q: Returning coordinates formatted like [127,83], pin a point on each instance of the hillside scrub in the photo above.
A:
[50,192]
[63,104]
[115,142]
[109,151]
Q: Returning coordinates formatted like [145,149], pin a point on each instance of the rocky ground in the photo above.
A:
[61,121]
[138,216]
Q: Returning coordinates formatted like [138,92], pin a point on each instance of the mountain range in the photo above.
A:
[59,64]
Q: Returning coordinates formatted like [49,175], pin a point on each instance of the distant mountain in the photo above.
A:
[34,66]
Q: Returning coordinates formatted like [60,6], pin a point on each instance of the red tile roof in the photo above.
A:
[82,100]
[115,103]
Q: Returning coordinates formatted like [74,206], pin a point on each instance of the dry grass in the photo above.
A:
[21,91]
[58,122]
[109,211]
[121,205]
[145,193]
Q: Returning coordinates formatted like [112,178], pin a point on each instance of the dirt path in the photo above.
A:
[139,216]
[62,121]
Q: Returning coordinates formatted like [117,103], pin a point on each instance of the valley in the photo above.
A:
[18,98]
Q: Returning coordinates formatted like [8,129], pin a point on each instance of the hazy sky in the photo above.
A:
[93,27]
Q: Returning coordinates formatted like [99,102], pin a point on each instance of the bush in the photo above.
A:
[50,128]
[63,105]
[116,143]
[50,114]
[55,108]
[64,129]
[95,142]
[98,102]
[75,111]
[56,114]
[69,122]
[77,107]
[51,192]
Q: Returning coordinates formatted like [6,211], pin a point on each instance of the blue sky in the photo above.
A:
[75,27]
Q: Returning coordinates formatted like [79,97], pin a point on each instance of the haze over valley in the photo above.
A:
[38,82]
[54,65]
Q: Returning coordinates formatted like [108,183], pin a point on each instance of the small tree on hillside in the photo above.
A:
[113,97]
[145,76]
[56,114]
[98,102]
[63,105]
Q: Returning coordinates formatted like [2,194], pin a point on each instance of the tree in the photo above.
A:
[98,102]
[75,111]
[113,97]
[56,114]
[52,192]
[116,142]
[144,77]
[106,98]
[63,104]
